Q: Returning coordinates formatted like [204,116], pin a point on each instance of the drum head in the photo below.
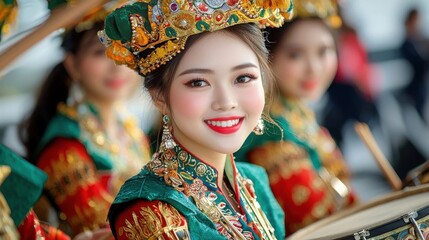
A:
[373,214]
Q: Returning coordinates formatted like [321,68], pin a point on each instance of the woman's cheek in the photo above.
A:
[333,65]
[93,68]
[331,70]
[289,84]
[252,99]
[187,103]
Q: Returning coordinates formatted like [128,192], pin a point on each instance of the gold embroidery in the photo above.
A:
[93,215]
[171,215]
[274,155]
[7,226]
[67,174]
[300,194]
[303,123]
[321,209]
[127,154]
[330,155]
[318,184]
[318,211]
[166,165]
[151,223]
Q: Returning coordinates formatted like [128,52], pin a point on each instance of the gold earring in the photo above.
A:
[259,128]
[167,141]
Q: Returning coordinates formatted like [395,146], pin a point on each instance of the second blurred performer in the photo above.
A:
[307,173]
[88,145]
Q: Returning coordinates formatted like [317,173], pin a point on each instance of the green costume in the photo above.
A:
[303,164]
[199,183]
[23,187]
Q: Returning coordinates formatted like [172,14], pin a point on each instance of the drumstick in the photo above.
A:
[366,136]
[64,16]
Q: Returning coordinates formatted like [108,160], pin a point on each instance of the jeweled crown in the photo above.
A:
[148,34]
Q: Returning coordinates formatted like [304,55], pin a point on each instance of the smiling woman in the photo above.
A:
[208,81]
[222,90]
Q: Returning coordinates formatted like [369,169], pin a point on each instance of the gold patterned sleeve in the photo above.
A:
[74,185]
[331,156]
[150,220]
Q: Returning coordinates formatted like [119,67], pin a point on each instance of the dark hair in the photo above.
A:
[276,35]
[411,15]
[54,90]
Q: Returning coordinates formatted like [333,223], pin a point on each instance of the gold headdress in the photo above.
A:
[95,15]
[149,33]
[8,12]
[325,9]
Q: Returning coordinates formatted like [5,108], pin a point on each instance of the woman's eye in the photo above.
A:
[293,55]
[323,51]
[99,52]
[245,78]
[197,83]
[326,50]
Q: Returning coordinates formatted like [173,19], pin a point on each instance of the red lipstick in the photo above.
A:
[225,125]
[309,84]
[115,83]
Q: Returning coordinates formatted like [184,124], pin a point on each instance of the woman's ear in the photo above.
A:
[70,66]
[159,101]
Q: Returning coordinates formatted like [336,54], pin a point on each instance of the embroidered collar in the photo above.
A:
[128,152]
[179,168]
[285,105]
[300,118]
[195,178]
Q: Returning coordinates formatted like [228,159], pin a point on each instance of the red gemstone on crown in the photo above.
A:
[231,2]
[203,7]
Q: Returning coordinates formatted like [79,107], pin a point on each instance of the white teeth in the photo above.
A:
[228,123]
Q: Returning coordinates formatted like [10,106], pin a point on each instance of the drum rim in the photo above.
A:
[409,191]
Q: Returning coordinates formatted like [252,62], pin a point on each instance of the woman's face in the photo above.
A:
[216,95]
[305,61]
[98,76]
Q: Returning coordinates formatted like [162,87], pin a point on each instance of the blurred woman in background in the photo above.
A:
[88,145]
[307,173]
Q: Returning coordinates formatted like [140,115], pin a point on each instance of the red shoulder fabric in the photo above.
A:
[151,219]
[302,194]
[31,229]
[74,184]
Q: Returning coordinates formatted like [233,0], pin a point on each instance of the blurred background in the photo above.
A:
[373,86]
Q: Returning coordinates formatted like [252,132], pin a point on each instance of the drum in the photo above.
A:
[393,217]
[417,176]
